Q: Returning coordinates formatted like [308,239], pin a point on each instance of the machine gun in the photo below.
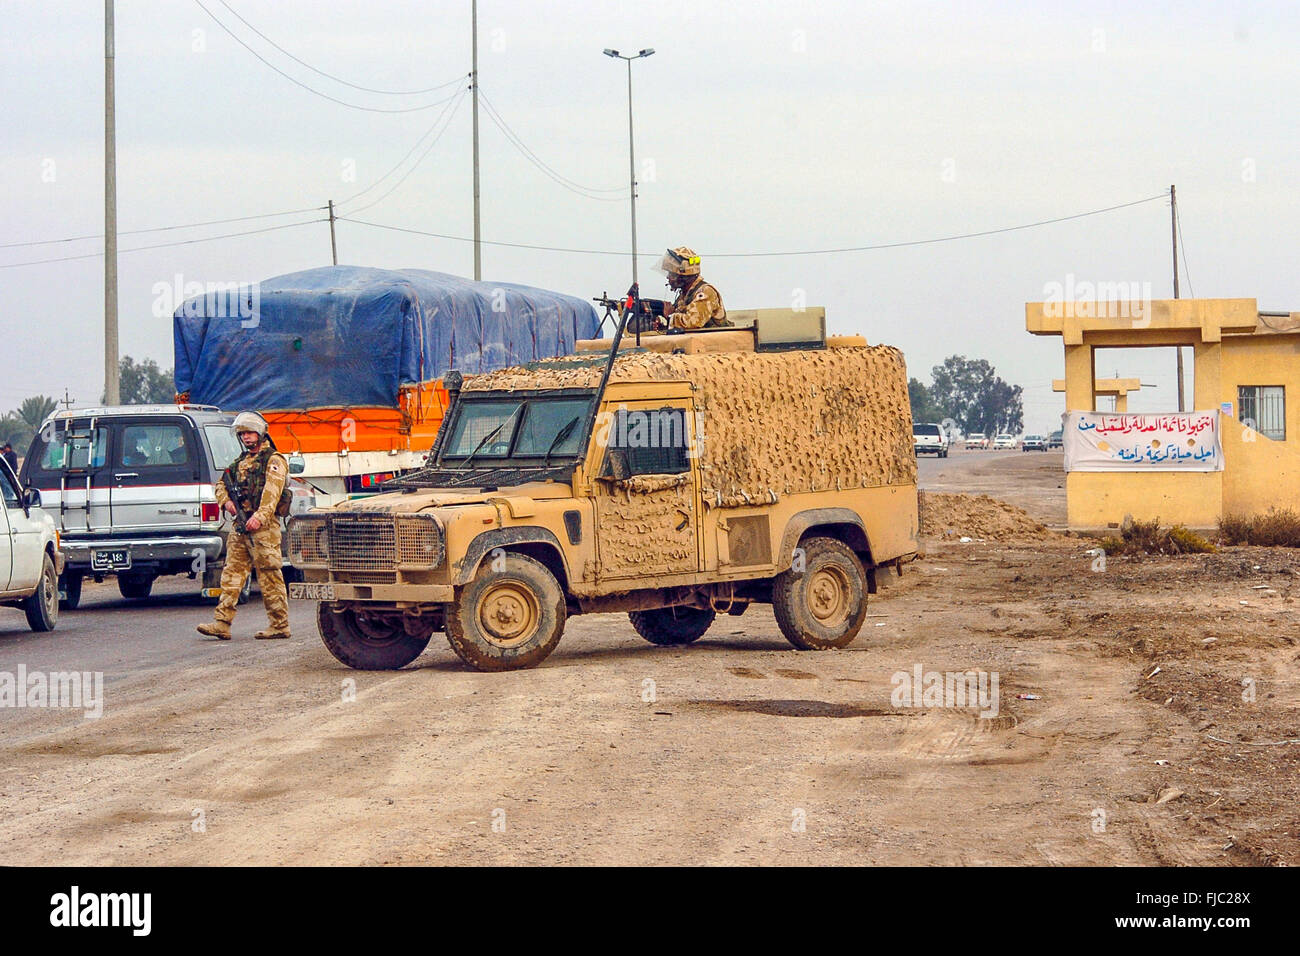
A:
[643,315]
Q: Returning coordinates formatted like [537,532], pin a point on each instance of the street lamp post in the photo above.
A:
[631,148]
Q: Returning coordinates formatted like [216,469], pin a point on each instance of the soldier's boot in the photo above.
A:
[218,629]
[276,601]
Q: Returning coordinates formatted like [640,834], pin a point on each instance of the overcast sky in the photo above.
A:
[761,126]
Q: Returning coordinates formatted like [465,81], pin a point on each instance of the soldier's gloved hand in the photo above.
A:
[230,508]
[253,523]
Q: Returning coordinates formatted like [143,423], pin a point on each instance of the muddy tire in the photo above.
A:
[509,619]
[42,608]
[672,626]
[824,606]
[368,643]
[135,586]
[70,584]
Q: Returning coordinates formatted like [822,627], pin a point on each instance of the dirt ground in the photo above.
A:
[1166,686]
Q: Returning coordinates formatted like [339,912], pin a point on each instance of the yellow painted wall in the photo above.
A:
[1103,499]
[1261,473]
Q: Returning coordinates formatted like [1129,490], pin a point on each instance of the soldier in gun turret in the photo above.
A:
[251,491]
[698,304]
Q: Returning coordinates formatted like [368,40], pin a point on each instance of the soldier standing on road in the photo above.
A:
[698,304]
[250,491]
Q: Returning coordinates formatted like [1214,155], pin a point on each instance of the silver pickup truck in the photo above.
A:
[131,489]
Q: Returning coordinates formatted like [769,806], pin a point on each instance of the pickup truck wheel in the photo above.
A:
[672,626]
[43,606]
[70,584]
[368,643]
[135,586]
[824,606]
[509,619]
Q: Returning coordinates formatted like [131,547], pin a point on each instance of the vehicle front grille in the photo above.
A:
[384,542]
[367,577]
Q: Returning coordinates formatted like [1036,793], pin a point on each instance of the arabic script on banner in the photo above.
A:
[1175,441]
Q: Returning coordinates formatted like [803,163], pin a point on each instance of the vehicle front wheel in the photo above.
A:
[70,584]
[42,607]
[369,642]
[672,626]
[824,605]
[507,619]
[135,586]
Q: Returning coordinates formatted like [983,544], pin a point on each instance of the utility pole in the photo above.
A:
[334,249]
[112,383]
[67,400]
[1173,226]
[631,148]
[478,249]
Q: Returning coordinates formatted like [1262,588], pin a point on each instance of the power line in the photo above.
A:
[311,89]
[331,76]
[569,184]
[164,245]
[737,255]
[453,107]
[137,232]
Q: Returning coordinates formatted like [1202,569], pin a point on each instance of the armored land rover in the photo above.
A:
[674,478]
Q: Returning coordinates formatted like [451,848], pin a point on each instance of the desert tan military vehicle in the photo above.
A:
[674,478]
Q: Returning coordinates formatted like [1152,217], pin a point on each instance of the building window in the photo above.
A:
[1263,407]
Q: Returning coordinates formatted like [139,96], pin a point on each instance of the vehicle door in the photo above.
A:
[157,468]
[24,535]
[6,550]
[68,463]
[647,493]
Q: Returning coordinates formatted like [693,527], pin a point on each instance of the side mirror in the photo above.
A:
[31,498]
[297,464]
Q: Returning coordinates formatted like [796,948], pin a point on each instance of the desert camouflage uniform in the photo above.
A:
[261,549]
[699,306]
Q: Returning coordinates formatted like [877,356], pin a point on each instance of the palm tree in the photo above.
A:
[36,409]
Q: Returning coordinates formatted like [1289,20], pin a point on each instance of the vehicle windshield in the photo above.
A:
[517,428]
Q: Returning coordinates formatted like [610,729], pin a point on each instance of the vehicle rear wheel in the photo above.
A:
[508,619]
[369,642]
[135,586]
[672,626]
[70,584]
[42,607]
[824,606]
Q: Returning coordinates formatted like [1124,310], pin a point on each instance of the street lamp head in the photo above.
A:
[609,52]
[646,52]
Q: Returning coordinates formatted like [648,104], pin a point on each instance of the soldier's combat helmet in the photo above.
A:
[249,422]
[681,261]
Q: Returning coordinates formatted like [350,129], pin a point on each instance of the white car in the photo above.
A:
[30,560]
[929,438]
[1003,442]
[976,440]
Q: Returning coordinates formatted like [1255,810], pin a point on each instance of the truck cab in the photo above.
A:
[686,476]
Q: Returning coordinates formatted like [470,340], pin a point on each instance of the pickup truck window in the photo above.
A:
[10,490]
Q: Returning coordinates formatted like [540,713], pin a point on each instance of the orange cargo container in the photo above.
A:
[411,426]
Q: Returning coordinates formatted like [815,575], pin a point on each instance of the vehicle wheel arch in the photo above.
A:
[841,523]
[537,543]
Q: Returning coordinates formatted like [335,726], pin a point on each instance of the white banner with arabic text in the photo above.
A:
[1175,441]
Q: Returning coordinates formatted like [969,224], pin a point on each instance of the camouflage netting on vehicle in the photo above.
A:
[774,423]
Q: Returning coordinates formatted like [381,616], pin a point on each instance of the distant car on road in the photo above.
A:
[977,440]
[929,438]
[1034,443]
[1004,442]
[1055,440]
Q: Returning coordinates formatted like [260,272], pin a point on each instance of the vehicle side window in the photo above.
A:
[12,498]
[82,451]
[153,446]
[650,442]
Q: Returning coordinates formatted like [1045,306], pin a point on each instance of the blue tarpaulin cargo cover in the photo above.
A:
[347,336]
